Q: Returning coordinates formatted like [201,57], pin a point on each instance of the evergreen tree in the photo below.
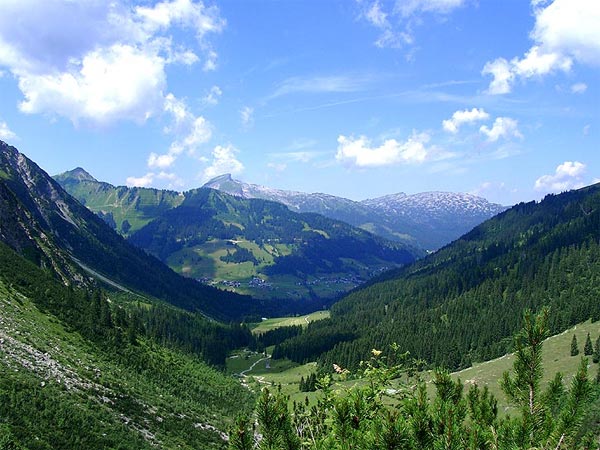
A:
[574,346]
[596,357]
[588,348]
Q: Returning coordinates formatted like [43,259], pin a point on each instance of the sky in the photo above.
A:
[356,98]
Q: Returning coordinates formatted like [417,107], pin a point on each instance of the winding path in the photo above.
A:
[243,372]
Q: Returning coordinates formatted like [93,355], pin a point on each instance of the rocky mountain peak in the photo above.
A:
[76,174]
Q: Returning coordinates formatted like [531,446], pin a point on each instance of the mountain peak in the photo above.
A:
[77,174]
[226,177]
[227,184]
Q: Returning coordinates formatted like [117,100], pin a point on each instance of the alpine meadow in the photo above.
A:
[300,225]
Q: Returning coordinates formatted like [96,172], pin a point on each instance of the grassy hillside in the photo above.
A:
[262,248]
[556,358]
[278,322]
[60,390]
[126,209]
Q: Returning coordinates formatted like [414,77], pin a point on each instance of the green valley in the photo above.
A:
[248,246]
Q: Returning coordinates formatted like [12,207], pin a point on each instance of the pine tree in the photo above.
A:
[596,357]
[574,346]
[588,348]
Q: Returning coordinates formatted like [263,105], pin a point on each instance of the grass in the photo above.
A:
[271,324]
[556,358]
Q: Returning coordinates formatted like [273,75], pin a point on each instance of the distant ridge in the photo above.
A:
[428,220]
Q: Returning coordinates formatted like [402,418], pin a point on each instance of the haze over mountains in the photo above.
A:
[428,220]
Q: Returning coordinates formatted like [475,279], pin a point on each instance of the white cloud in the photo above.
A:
[120,82]
[211,61]
[224,161]
[200,133]
[247,116]
[579,88]
[500,70]
[565,31]
[98,61]
[190,133]
[5,132]
[360,153]
[143,181]
[182,12]
[395,24]
[464,117]
[376,16]
[503,127]
[212,98]
[568,175]
[586,129]
[161,161]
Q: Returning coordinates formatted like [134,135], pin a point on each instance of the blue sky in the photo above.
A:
[353,98]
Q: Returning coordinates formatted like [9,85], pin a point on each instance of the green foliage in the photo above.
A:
[461,305]
[378,413]
[574,346]
[588,348]
[596,356]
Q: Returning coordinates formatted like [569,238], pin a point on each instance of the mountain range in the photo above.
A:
[42,222]
[126,367]
[427,220]
[463,303]
[251,246]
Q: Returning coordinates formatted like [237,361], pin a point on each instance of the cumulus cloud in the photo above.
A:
[224,161]
[99,61]
[190,132]
[143,181]
[464,117]
[396,20]
[161,161]
[565,31]
[5,132]
[503,127]
[360,152]
[119,82]
[568,175]
[148,179]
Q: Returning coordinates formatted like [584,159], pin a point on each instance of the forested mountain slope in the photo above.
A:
[463,303]
[44,223]
[263,247]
